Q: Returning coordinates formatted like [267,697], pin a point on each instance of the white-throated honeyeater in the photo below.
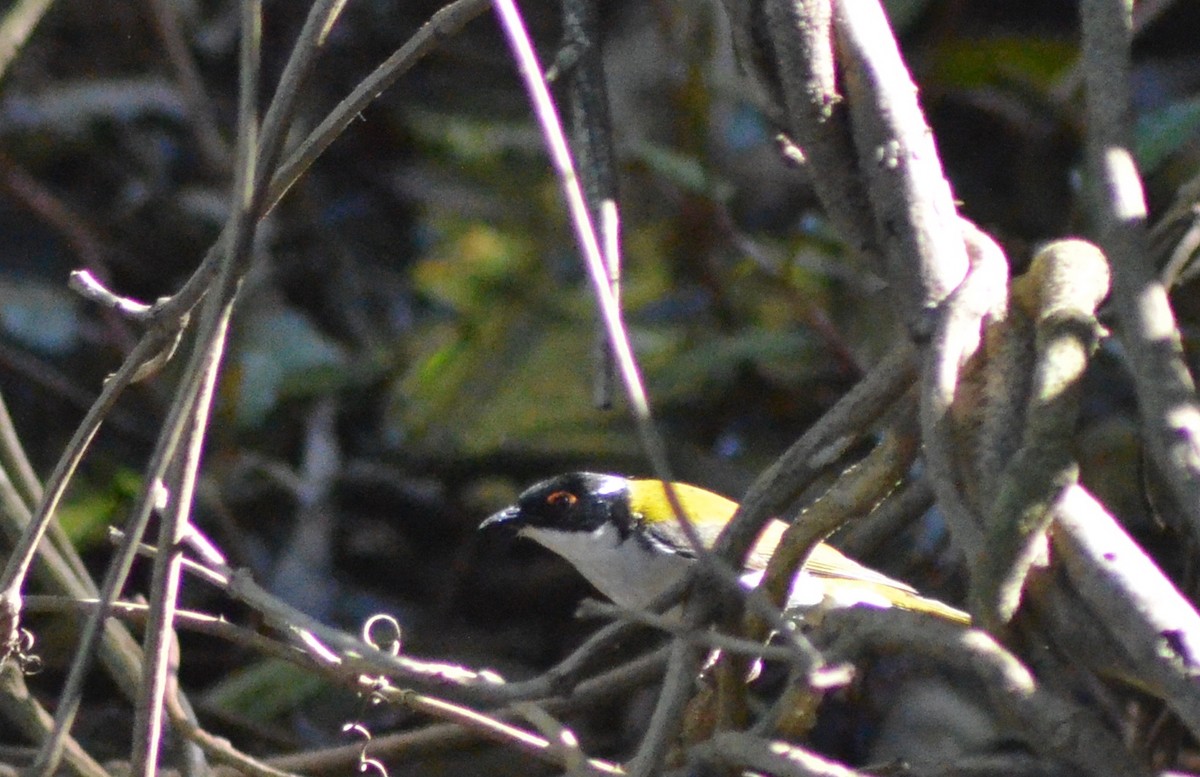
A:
[622,535]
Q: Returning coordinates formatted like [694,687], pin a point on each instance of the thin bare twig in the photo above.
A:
[199,622]
[17,565]
[1157,626]
[818,447]
[215,151]
[684,658]
[196,403]
[26,714]
[980,297]
[447,21]
[915,218]
[312,636]
[255,173]
[487,726]
[14,460]
[16,28]
[1165,388]
[409,745]
[118,569]
[904,506]
[816,113]
[740,752]
[257,154]
[1050,723]
[169,316]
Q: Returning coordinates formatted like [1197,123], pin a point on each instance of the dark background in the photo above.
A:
[421,287]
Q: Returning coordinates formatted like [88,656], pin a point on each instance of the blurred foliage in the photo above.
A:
[1171,129]
[264,691]
[87,515]
[39,315]
[280,355]
[1003,61]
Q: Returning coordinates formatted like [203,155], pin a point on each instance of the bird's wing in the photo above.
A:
[861,585]
[827,561]
[710,512]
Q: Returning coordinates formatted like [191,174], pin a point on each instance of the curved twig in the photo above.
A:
[1166,391]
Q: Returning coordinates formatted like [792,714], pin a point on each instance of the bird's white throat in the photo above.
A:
[623,569]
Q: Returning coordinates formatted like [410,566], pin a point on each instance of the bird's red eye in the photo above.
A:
[562,499]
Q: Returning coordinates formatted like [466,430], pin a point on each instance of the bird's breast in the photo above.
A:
[628,572]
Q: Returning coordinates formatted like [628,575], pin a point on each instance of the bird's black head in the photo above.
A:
[577,501]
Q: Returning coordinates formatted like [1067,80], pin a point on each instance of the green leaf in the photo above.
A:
[715,363]
[264,691]
[511,384]
[686,172]
[473,264]
[970,63]
[88,511]
[1160,133]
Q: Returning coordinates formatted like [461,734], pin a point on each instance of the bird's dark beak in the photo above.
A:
[506,518]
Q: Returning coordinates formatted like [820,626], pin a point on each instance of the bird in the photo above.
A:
[622,535]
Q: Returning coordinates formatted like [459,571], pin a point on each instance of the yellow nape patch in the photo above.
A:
[648,498]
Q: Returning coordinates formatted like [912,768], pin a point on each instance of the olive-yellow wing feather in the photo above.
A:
[709,513]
